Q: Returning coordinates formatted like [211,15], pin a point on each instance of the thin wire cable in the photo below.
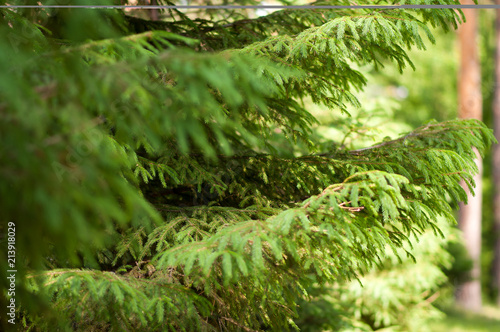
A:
[485,6]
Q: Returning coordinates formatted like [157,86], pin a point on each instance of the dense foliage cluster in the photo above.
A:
[165,175]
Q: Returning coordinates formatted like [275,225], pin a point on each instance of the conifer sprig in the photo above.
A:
[156,194]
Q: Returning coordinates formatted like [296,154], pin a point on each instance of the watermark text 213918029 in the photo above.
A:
[11,272]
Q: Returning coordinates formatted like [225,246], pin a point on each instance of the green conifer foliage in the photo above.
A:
[139,162]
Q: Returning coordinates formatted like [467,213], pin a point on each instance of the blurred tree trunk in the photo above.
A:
[496,157]
[154,14]
[468,294]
